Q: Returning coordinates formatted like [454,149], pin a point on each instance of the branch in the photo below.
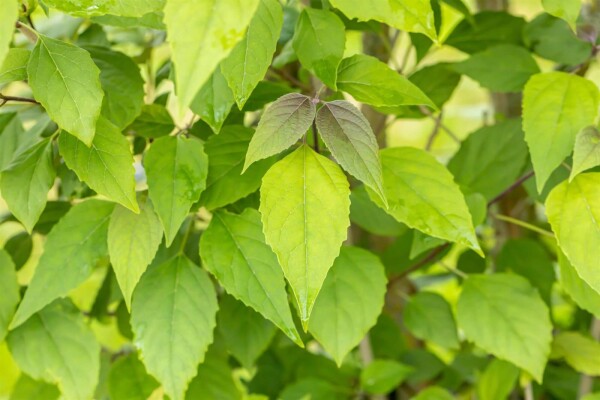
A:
[4,99]
[512,187]
[291,79]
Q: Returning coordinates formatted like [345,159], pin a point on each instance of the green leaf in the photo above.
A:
[573,210]
[125,8]
[414,183]
[173,317]
[370,81]
[128,379]
[247,334]
[19,247]
[437,82]
[153,122]
[73,247]
[491,158]
[55,345]
[10,292]
[579,351]
[497,381]
[210,32]
[503,68]
[133,240]
[582,293]
[106,166]
[65,80]
[565,9]
[433,393]
[249,60]
[214,381]
[233,249]
[26,182]
[122,84]
[349,302]
[586,153]
[429,317]
[26,389]
[214,100]
[504,315]
[382,376]
[556,106]
[370,217]
[405,15]
[14,67]
[349,137]
[176,169]
[319,42]
[282,125]
[9,13]
[305,220]
[314,389]
[13,138]
[226,152]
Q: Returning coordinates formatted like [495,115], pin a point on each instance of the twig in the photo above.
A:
[523,224]
[290,78]
[434,133]
[512,187]
[429,114]
[6,99]
[315,136]
[27,31]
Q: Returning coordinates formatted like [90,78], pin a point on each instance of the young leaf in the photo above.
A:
[26,182]
[58,70]
[565,9]
[133,240]
[586,153]
[9,288]
[428,316]
[573,210]
[319,42]
[124,8]
[556,106]
[305,220]
[214,100]
[106,165]
[349,302]
[497,380]
[73,247]
[173,317]
[369,80]
[9,13]
[249,61]
[14,67]
[406,15]
[349,137]
[504,315]
[56,345]
[226,152]
[233,249]
[176,169]
[128,379]
[282,124]
[414,183]
[579,351]
[210,32]
[581,293]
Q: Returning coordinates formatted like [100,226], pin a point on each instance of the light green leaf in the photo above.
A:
[9,12]
[370,81]
[124,8]
[246,333]
[27,388]
[73,247]
[212,29]
[583,295]
[226,152]
[133,240]
[233,249]
[214,100]
[504,315]
[586,153]
[415,184]
[56,345]
[429,317]
[349,137]
[122,84]
[319,42]
[106,166]
[14,67]
[497,381]
[565,9]
[580,352]
[282,125]
[9,288]
[433,393]
[173,317]
[153,122]
[382,376]
[305,220]
[128,379]
[556,106]
[58,70]
[26,182]
[176,169]
[313,388]
[349,302]
[406,15]
[504,68]
[573,210]
[250,59]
